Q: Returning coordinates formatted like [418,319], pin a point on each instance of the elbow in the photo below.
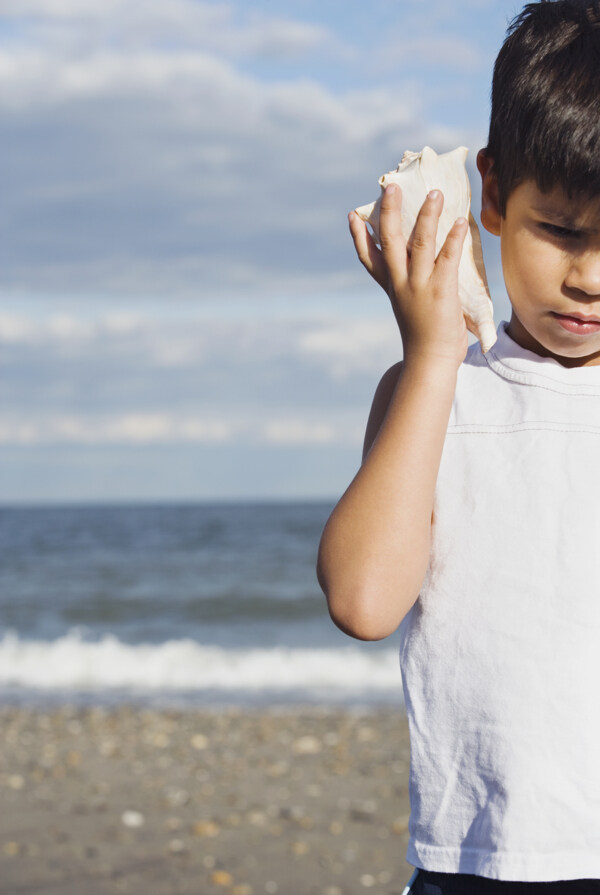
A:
[362,603]
[362,629]
[359,616]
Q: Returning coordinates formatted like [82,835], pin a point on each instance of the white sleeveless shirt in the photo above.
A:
[500,655]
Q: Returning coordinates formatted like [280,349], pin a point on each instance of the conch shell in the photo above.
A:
[417,174]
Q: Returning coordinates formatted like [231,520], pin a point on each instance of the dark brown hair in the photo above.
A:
[545,118]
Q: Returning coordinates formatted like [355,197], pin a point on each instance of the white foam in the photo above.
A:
[71,662]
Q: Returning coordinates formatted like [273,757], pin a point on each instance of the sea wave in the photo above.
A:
[71,662]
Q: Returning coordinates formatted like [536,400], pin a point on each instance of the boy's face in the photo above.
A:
[551,263]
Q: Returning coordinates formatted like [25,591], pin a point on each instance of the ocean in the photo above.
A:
[177,605]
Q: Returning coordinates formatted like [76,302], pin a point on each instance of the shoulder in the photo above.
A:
[381,402]
[388,383]
[473,364]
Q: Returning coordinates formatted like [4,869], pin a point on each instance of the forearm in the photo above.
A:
[375,547]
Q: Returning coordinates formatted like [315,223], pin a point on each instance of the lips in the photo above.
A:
[580,324]
[582,318]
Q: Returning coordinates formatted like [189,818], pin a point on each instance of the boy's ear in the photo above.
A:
[490,211]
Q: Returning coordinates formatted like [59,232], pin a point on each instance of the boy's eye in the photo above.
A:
[560,232]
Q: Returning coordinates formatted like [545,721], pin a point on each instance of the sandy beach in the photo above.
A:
[154,802]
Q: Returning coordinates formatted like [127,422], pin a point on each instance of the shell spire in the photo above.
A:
[417,174]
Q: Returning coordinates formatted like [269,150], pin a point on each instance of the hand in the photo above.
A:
[423,289]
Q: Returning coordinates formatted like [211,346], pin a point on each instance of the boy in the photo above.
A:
[474,520]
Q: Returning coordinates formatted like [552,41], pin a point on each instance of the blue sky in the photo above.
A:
[181,313]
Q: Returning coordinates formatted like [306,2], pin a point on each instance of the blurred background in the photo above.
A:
[188,346]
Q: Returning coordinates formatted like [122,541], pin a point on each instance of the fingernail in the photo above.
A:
[461,221]
[391,189]
[433,194]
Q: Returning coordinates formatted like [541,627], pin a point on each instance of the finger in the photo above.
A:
[393,243]
[450,253]
[422,242]
[368,253]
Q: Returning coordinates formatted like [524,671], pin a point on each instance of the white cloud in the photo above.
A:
[299,431]
[35,78]
[350,346]
[172,429]
[160,158]
[18,329]
[144,161]
[184,175]
[52,9]
[129,429]
[61,329]
[227,29]
[125,379]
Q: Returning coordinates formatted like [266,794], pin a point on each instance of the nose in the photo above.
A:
[584,273]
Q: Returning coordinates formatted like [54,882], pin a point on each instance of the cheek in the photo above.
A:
[530,267]
[517,272]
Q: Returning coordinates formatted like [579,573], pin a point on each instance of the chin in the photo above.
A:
[570,351]
[545,338]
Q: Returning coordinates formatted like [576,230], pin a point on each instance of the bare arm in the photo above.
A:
[375,547]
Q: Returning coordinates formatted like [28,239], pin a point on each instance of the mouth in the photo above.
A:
[580,324]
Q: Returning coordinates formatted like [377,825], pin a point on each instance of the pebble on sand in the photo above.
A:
[133,819]
[15,781]
[233,803]
[400,825]
[206,828]
[221,878]
[177,846]
[242,889]
[307,745]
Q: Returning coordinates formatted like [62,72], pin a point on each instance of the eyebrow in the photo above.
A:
[563,218]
